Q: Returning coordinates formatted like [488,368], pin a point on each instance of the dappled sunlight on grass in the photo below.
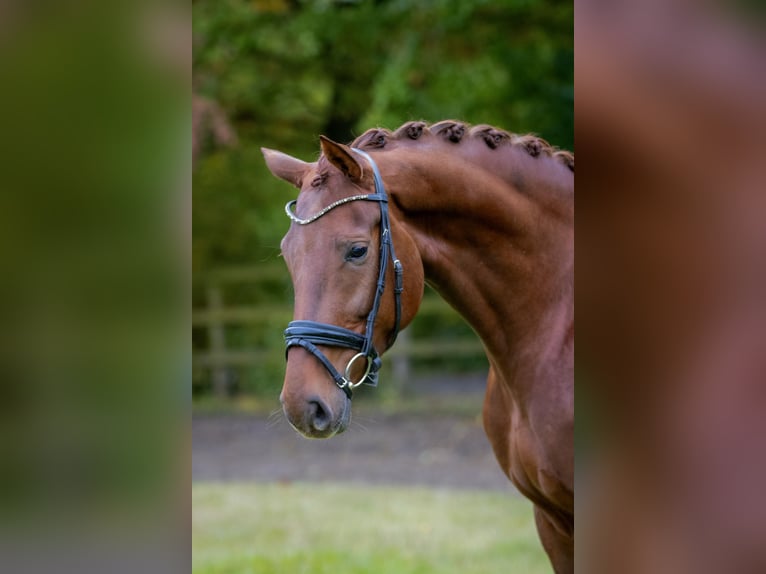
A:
[297,528]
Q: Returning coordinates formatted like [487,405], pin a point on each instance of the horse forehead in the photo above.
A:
[301,254]
[295,244]
[302,243]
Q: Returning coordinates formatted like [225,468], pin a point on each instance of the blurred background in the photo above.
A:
[413,483]
[97,152]
[277,73]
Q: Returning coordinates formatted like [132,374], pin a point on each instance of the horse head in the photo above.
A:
[357,278]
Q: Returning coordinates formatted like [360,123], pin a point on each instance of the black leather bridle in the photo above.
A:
[308,334]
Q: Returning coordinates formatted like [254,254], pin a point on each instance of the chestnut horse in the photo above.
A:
[486,217]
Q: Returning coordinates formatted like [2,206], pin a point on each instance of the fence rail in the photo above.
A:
[215,316]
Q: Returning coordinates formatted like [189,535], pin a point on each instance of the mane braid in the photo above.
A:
[456,131]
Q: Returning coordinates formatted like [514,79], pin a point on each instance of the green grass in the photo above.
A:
[331,529]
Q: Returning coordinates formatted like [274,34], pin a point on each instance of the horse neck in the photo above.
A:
[502,257]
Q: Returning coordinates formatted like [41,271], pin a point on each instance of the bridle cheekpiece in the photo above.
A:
[308,334]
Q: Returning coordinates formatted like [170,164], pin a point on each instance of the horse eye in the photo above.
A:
[356,252]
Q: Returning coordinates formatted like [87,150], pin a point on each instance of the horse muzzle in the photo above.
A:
[315,417]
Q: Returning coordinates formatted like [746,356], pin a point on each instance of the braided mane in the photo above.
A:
[455,131]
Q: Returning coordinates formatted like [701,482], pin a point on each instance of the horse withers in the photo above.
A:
[486,217]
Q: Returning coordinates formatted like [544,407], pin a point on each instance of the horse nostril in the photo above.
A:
[319,415]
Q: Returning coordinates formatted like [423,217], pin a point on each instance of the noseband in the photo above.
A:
[308,334]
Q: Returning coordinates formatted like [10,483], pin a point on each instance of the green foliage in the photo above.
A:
[330,528]
[237,209]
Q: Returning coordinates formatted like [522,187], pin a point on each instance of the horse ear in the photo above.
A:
[341,157]
[286,167]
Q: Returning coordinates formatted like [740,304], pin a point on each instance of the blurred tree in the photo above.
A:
[209,122]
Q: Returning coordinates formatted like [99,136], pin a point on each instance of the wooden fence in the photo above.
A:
[214,315]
